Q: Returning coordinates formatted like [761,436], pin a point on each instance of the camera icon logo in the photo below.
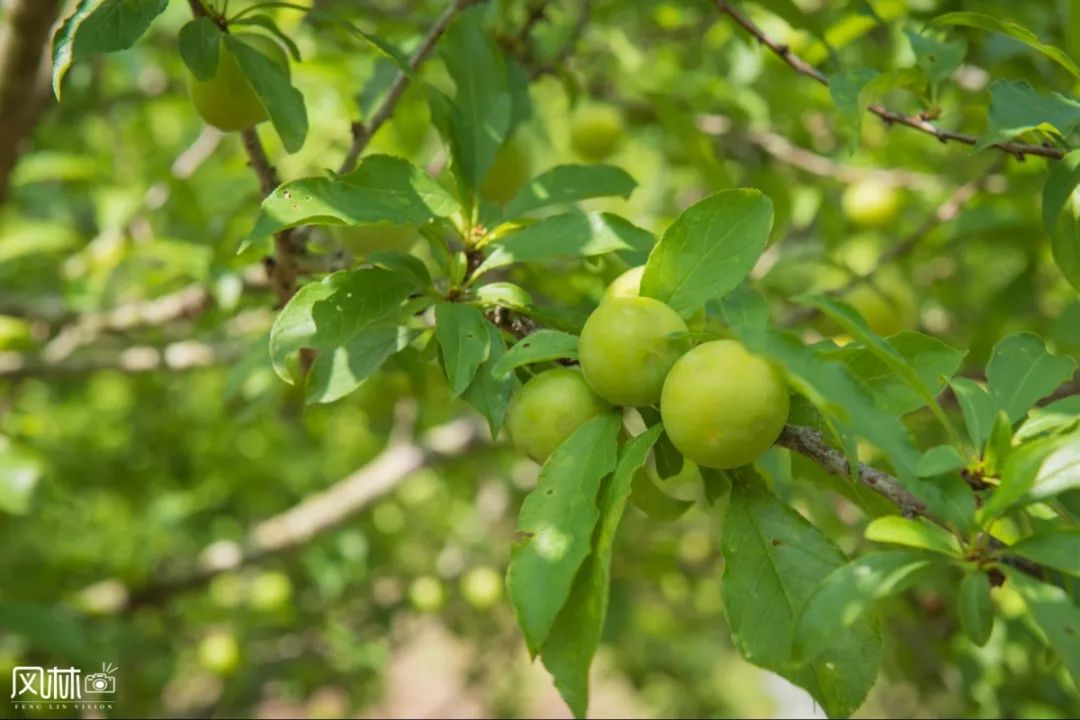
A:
[101,683]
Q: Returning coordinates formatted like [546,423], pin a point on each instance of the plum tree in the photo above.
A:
[508,172]
[227,100]
[870,203]
[629,285]
[548,409]
[596,131]
[722,406]
[627,346]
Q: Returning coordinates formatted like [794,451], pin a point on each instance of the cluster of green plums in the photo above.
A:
[721,406]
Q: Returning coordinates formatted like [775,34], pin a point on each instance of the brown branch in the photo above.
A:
[363,132]
[318,513]
[916,122]
[945,212]
[24,40]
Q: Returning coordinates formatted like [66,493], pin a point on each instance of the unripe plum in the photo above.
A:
[627,347]
[629,285]
[870,203]
[548,409]
[596,132]
[227,100]
[508,172]
[722,406]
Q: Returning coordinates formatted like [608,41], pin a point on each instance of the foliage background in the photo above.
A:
[124,195]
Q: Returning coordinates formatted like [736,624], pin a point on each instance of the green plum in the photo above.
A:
[871,203]
[426,594]
[227,100]
[629,285]
[482,587]
[628,345]
[363,240]
[508,172]
[548,409]
[722,406]
[219,652]
[596,131]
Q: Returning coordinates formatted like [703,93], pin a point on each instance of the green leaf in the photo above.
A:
[889,356]
[838,604]
[1062,178]
[479,118]
[1021,372]
[488,393]
[267,23]
[975,607]
[572,642]
[350,319]
[1017,32]
[504,294]
[654,502]
[1059,549]
[846,89]
[1035,471]
[998,445]
[936,58]
[1056,613]
[977,407]
[940,460]
[381,189]
[1059,416]
[774,560]
[1065,243]
[709,249]
[540,346]
[555,526]
[99,26]
[913,533]
[275,91]
[568,184]
[401,262]
[465,341]
[573,234]
[20,473]
[1016,108]
[200,41]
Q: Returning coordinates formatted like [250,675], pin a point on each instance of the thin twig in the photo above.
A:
[363,132]
[917,122]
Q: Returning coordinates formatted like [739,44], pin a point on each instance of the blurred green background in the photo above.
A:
[111,480]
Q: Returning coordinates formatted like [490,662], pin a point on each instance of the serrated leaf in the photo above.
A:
[940,460]
[464,340]
[1035,471]
[381,189]
[1021,372]
[350,319]
[540,346]
[488,393]
[572,234]
[1059,549]
[99,26]
[568,651]
[568,184]
[284,103]
[975,608]
[708,250]
[840,602]
[774,560]
[977,407]
[1013,30]
[200,42]
[913,533]
[1062,178]
[936,58]
[654,502]
[556,525]
[1056,613]
[1016,108]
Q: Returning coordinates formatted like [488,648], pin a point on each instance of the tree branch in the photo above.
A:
[363,132]
[916,122]
[321,512]
[24,41]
